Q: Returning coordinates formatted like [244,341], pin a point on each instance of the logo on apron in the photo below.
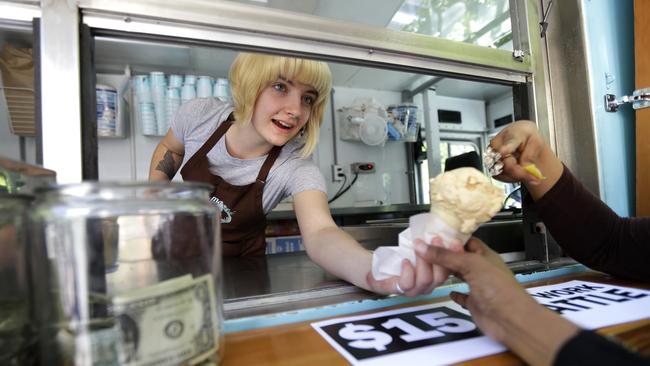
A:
[226,213]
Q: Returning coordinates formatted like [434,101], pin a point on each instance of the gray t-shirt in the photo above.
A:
[195,122]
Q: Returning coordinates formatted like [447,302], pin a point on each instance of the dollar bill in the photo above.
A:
[174,322]
[163,287]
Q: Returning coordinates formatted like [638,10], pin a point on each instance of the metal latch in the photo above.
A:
[640,98]
[518,55]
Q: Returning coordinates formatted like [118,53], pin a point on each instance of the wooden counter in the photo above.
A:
[300,344]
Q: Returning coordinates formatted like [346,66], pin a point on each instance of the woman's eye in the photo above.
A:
[308,99]
[279,87]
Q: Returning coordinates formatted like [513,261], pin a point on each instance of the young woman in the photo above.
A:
[255,154]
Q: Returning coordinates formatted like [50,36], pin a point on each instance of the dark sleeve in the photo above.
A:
[589,348]
[592,233]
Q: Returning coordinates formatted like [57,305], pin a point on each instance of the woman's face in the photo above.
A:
[282,109]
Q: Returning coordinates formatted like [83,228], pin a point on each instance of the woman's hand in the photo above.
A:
[413,281]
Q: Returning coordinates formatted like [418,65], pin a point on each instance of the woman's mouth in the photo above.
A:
[281,124]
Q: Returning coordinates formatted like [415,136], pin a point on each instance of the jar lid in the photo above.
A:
[127,190]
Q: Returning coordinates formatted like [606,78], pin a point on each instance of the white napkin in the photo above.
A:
[387,261]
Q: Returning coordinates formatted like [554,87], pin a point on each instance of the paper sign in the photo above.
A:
[444,333]
[594,305]
[436,334]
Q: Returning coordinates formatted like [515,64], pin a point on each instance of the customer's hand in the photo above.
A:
[499,304]
[494,292]
[520,145]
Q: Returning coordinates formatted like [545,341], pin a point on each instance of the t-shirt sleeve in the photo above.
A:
[589,348]
[307,177]
[193,119]
[181,121]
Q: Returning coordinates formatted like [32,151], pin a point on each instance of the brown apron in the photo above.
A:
[242,217]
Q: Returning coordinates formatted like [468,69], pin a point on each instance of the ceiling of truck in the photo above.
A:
[113,55]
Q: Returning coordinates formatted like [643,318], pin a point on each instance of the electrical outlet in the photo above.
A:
[362,168]
[337,173]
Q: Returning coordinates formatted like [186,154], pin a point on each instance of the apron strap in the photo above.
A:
[268,163]
[221,130]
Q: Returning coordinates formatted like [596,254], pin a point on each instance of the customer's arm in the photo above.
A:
[592,233]
[587,229]
[506,312]
[499,305]
[590,348]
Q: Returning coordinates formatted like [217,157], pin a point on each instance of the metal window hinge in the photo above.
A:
[640,98]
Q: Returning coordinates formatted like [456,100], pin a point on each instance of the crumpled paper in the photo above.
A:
[387,261]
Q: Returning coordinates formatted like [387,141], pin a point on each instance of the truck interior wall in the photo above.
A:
[124,159]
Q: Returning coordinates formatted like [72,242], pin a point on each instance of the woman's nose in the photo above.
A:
[293,117]
[293,108]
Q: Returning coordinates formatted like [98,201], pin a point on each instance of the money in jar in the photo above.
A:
[128,273]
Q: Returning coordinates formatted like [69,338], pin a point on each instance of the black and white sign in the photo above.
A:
[444,333]
[594,305]
[409,334]
[392,333]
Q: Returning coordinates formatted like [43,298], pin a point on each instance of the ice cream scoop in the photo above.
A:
[494,164]
[464,198]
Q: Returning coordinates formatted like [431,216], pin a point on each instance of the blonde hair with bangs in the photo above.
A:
[250,73]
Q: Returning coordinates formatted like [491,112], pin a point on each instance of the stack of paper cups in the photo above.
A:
[222,90]
[172,102]
[188,92]
[204,86]
[158,91]
[190,79]
[175,81]
[148,118]
[142,88]
[159,97]
[145,111]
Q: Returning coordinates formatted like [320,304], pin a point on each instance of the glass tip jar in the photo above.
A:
[127,273]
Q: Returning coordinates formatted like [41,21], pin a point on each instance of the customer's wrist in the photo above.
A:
[536,334]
